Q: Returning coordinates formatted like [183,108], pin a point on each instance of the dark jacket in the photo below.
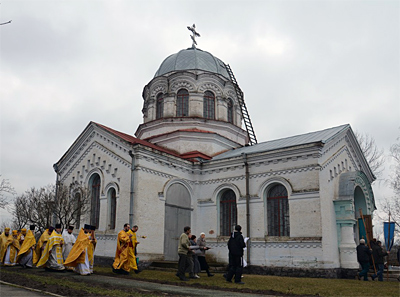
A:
[378,254]
[363,253]
[236,244]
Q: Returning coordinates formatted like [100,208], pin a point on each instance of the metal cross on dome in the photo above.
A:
[193,29]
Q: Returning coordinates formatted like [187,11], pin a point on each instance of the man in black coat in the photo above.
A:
[236,245]
[378,254]
[363,256]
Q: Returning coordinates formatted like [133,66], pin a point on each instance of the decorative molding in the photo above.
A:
[210,86]
[158,88]
[182,84]
[100,147]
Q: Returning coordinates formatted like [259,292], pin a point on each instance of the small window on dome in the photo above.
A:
[160,106]
[230,110]
[209,105]
[182,103]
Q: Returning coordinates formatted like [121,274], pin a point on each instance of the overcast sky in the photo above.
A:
[303,66]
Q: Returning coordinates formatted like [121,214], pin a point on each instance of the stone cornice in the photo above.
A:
[74,162]
[85,142]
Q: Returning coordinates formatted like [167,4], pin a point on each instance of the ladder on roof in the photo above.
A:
[243,108]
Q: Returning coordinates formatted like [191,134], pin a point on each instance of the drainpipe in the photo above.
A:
[55,167]
[247,206]
[132,188]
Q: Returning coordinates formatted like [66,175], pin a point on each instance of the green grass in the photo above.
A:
[285,285]
[81,286]
[257,283]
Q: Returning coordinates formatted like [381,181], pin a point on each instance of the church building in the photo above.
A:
[195,161]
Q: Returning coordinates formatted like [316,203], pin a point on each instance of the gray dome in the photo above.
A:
[192,59]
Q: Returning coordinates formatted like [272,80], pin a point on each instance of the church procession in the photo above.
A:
[195,164]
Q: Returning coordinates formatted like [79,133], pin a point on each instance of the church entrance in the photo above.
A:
[177,216]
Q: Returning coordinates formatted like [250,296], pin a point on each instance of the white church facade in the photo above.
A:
[192,163]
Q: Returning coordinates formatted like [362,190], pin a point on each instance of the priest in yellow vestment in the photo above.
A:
[123,256]
[52,254]
[132,249]
[21,236]
[25,254]
[81,252]
[92,247]
[41,244]
[3,243]
[10,257]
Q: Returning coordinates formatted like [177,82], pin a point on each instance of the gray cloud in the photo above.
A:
[303,66]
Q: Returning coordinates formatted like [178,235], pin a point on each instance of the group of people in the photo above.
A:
[58,251]
[374,254]
[54,250]
[192,258]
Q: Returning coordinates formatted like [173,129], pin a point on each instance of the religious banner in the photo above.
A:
[388,231]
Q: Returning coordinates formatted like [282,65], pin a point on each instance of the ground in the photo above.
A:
[164,283]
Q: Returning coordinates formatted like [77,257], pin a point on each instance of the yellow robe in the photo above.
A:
[123,256]
[26,246]
[91,249]
[3,245]
[53,245]
[41,243]
[13,245]
[77,254]
[132,248]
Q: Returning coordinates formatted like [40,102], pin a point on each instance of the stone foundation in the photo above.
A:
[260,270]
[302,272]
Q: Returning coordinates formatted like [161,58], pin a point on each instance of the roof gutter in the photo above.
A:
[55,167]
[132,192]
[246,164]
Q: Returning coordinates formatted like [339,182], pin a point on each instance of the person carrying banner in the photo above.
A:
[363,254]
[379,254]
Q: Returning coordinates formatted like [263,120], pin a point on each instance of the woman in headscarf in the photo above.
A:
[202,256]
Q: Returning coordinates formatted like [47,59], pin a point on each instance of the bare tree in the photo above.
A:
[5,188]
[392,205]
[7,224]
[395,176]
[374,155]
[37,206]
[71,202]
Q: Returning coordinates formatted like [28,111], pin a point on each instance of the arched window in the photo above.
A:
[77,199]
[94,186]
[278,211]
[209,105]
[112,202]
[228,212]
[160,106]
[230,111]
[182,103]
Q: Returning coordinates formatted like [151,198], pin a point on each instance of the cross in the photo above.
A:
[193,29]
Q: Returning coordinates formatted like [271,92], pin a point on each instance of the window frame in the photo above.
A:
[229,110]
[209,105]
[95,199]
[182,103]
[160,106]
[227,212]
[278,219]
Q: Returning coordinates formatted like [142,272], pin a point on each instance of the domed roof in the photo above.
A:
[192,59]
